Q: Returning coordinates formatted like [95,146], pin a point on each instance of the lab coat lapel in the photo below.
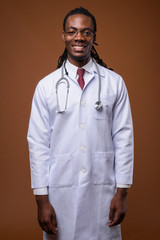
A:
[89,79]
[94,73]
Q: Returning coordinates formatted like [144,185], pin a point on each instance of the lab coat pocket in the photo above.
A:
[106,111]
[102,168]
[61,173]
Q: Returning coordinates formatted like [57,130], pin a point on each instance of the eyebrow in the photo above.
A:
[81,29]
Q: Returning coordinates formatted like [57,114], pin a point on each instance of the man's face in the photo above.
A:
[79,43]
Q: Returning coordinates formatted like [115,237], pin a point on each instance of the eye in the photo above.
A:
[87,33]
[71,32]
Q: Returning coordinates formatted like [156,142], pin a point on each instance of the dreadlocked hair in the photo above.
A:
[62,58]
[94,53]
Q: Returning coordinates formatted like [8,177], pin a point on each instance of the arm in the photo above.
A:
[122,135]
[39,134]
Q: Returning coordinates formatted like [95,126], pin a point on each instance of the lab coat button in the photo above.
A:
[83,103]
[83,170]
[82,125]
[83,148]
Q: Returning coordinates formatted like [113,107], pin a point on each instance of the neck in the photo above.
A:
[78,62]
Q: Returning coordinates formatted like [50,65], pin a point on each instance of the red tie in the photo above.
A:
[80,72]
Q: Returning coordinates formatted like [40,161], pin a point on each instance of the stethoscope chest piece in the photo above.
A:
[98,105]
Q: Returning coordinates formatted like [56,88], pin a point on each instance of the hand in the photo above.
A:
[118,207]
[46,215]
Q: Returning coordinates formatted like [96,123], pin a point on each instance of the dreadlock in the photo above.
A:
[62,58]
[94,53]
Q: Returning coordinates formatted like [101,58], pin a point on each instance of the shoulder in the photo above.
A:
[46,85]
[113,77]
[113,80]
[50,79]
[109,73]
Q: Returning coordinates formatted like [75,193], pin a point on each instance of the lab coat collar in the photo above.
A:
[101,71]
[89,67]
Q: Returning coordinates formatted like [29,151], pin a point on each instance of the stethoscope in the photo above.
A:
[98,104]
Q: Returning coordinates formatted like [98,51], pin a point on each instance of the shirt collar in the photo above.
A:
[89,67]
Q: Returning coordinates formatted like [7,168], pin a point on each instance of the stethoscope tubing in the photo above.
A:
[98,104]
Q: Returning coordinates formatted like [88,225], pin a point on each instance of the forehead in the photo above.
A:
[79,21]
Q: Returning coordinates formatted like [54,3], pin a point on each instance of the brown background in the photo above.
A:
[128,37]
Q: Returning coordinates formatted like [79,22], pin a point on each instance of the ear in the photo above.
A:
[63,36]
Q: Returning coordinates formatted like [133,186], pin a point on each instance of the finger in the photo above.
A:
[114,222]
[50,229]
[111,215]
[117,220]
[54,223]
[47,227]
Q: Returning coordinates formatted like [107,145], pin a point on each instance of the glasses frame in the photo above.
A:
[82,31]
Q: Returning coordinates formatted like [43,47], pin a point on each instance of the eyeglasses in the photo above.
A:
[86,32]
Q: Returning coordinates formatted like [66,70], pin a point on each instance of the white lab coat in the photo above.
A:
[81,154]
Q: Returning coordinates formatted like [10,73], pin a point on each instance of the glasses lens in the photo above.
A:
[73,32]
[87,33]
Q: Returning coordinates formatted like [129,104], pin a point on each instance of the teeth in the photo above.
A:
[78,46]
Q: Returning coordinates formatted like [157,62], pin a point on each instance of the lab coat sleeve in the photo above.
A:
[39,134]
[122,135]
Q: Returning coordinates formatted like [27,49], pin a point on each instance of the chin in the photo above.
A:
[79,57]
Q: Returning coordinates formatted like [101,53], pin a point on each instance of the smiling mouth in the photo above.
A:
[78,48]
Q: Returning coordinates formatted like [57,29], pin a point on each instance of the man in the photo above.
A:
[81,156]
